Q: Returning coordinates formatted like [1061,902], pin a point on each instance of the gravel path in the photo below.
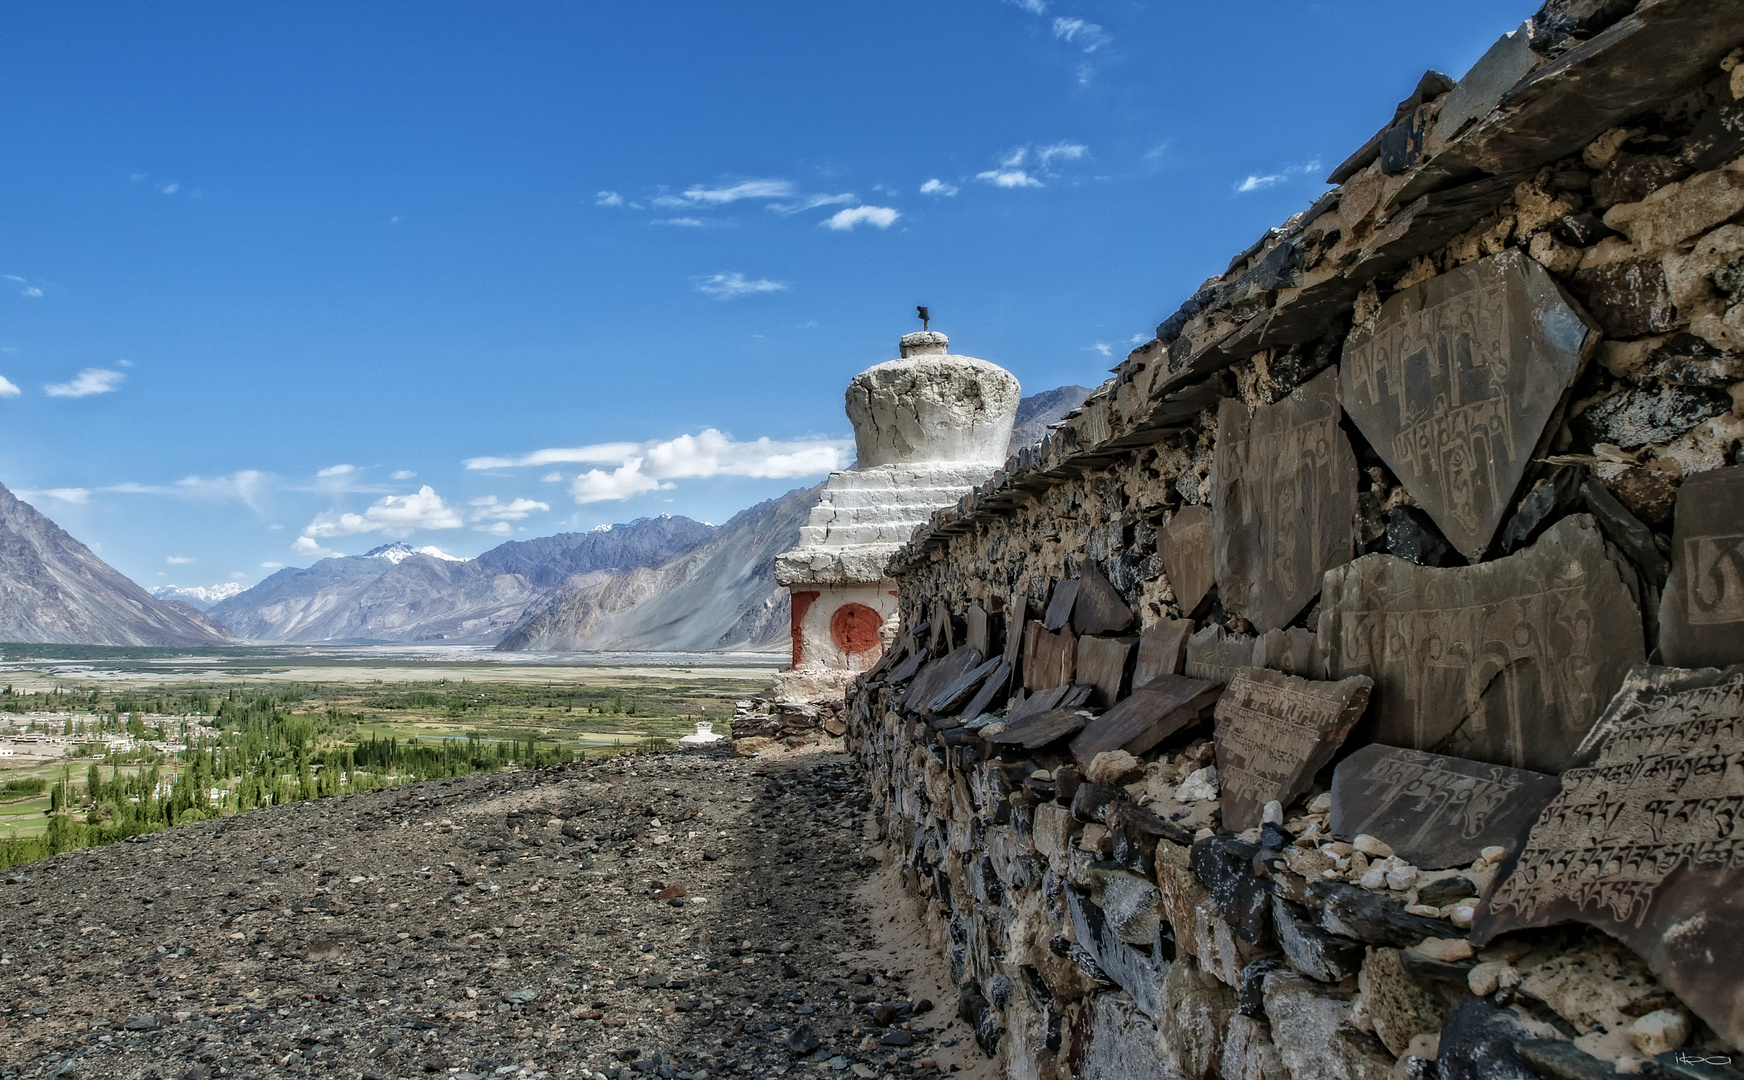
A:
[672,915]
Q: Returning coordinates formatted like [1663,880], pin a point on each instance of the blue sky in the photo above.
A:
[283,279]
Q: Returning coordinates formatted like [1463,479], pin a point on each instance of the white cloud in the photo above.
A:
[608,198]
[272,566]
[1256,182]
[749,189]
[936,186]
[66,495]
[244,486]
[552,478]
[683,222]
[1008,178]
[1086,35]
[87,382]
[489,509]
[495,528]
[8,388]
[845,220]
[179,560]
[630,469]
[1066,150]
[336,470]
[727,286]
[169,189]
[1034,7]
[810,202]
[306,546]
[25,287]
[403,474]
[393,516]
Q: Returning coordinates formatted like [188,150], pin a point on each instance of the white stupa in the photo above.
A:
[928,427]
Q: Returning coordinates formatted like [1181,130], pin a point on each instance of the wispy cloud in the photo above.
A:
[305,546]
[1034,7]
[1085,35]
[1014,169]
[1065,151]
[169,188]
[8,388]
[684,222]
[936,186]
[87,382]
[845,220]
[65,494]
[608,198]
[1008,178]
[180,560]
[336,470]
[403,474]
[25,288]
[1260,182]
[746,189]
[812,202]
[1255,182]
[393,516]
[728,286]
[630,469]
[244,486]
[490,508]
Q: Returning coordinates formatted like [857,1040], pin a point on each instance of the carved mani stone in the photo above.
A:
[1454,380]
[1049,659]
[1643,841]
[1162,650]
[1274,732]
[1184,546]
[1215,654]
[1701,620]
[1506,662]
[1434,811]
[1284,497]
[1102,664]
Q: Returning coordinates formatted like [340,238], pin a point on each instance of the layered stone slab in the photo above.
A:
[1099,607]
[1049,658]
[1274,732]
[1284,500]
[1184,546]
[1507,662]
[1643,839]
[1102,665]
[1701,619]
[1434,811]
[1162,650]
[1150,714]
[1454,380]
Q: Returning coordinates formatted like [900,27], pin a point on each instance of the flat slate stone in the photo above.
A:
[1145,718]
[1037,731]
[908,668]
[1162,650]
[1102,665]
[1039,702]
[1060,605]
[1274,732]
[976,620]
[959,690]
[1049,659]
[1434,811]
[935,677]
[1454,380]
[1216,655]
[1507,662]
[1284,499]
[1184,546]
[1701,619]
[1643,841]
[991,692]
[1099,608]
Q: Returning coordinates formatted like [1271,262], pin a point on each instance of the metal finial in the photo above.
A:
[924,317]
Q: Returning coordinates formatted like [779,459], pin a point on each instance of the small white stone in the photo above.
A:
[1447,950]
[1373,878]
[1485,978]
[1321,804]
[1112,767]
[1492,854]
[1371,846]
[1401,878]
[1203,833]
[1660,1031]
[1273,813]
[1200,786]
[992,729]
[1463,913]
[1424,910]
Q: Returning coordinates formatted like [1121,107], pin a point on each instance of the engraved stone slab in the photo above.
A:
[1184,546]
[1507,662]
[1049,659]
[1284,496]
[1454,380]
[1162,650]
[1274,732]
[1039,702]
[1644,841]
[1152,713]
[1701,619]
[976,621]
[1060,604]
[1216,655]
[1102,664]
[1294,652]
[1434,811]
[1099,608]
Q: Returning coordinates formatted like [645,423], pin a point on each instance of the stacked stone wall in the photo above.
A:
[1343,690]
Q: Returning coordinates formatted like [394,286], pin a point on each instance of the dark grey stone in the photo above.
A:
[1225,866]
[1561,1060]
[1454,380]
[992,691]
[1184,546]
[1507,662]
[1162,650]
[1215,655]
[1274,732]
[1049,657]
[1434,811]
[1146,717]
[1375,919]
[1412,535]
[1098,607]
[1060,605]
[1284,499]
[1505,63]
[1718,137]
[1642,840]
[1102,663]
[1478,1043]
[1701,618]
[1317,954]
[1127,967]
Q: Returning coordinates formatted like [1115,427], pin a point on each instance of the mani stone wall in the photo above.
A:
[1354,686]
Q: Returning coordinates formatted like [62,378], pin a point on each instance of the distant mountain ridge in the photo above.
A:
[54,589]
[198,597]
[1036,412]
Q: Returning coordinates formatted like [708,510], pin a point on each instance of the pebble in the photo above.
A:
[1659,1031]
[1447,950]
[1200,786]
[1374,847]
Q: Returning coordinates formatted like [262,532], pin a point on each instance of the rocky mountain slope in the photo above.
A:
[722,595]
[1036,412]
[403,594]
[54,589]
[198,597]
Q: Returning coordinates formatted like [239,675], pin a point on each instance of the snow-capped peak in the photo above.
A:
[201,596]
[601,528]
[399,551]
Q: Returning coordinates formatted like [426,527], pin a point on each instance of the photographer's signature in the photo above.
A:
[1691,1059]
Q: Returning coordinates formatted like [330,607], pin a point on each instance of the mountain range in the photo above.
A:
[655,584]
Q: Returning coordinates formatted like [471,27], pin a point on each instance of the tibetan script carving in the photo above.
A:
[1184,546]
[1274,732]
[1702,616]
[1646,838]
[1454,381]
[1434,811]
[1507,662]
[1283,498]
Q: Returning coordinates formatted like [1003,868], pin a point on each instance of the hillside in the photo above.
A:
[1036,412]
[53,589]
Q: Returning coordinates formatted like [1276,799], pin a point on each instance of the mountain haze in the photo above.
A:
[53,589]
